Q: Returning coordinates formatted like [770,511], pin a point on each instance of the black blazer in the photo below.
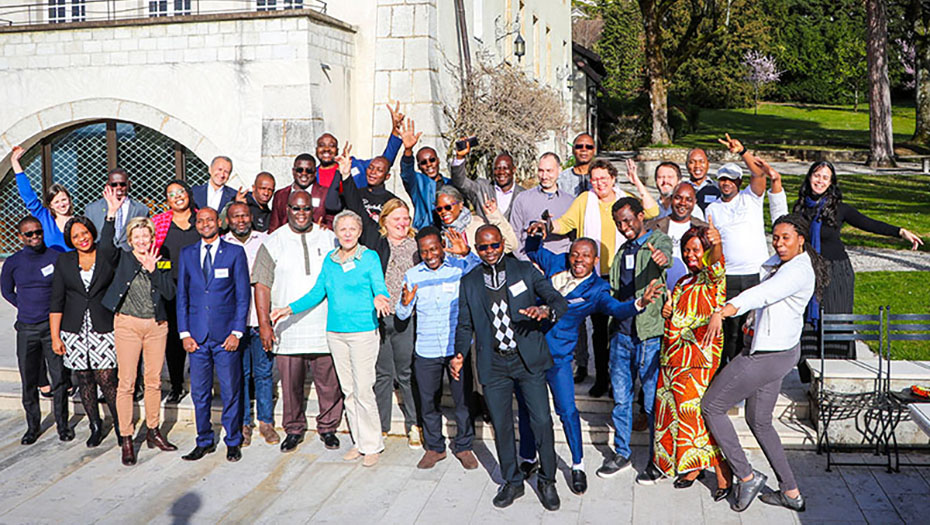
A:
[162,289]
[68,295]
[475,316]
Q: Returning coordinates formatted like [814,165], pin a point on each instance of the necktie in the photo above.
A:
[208,264]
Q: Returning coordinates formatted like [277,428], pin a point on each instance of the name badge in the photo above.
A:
[163,265]
[628,261]
[517,288]
[355,170]
[221,273]
[709,199]
[349,266]
[315,201]
[48,270]
[449,287]
[576,300]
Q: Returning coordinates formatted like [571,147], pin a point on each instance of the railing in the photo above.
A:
[70,11]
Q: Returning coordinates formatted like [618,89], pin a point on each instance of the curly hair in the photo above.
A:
[821,266]
[833,196]
[696,231]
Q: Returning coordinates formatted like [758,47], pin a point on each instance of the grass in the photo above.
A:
[904,292]
[787,126]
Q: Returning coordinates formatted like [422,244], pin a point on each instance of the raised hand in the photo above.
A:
[345,161]
[383,306]
[17,154]
[407,295]
[455,366]
[537,313]
[667,308]
[732,144]
[536,229]
[767,169]
[631,175]
[240,195]
[653,290]
[463,153]
[149,260]
[280,313]
[409,136]
[490,206]
[713,235]
[457,243]
[113,202]
[657,256]
[397,118]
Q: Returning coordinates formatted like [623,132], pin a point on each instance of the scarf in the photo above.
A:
[812,314]
[459,225]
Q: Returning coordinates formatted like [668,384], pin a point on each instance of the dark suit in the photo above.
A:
[210,310]
[479,190]
[200,196]
[526,369]
[97,213]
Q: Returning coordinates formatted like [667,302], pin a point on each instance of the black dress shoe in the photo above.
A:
[66,434]
[199,452]
[233,453]
[96,434]
[291,441]
[528,468]
[722,494]
[682,483]
[580,375]
[29,437]
[579,481]
[597,390]
[548,496]
[175,396]
[506,494]
[330,440]
[47,394]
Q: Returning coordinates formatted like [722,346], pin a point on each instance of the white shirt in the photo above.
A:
[779,301]
[742,232]
[214,196]
[203,253]
[250,246]
[676,230]
[665,212]
[504,198]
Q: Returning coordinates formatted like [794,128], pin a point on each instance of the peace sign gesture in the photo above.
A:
[240,195]
[345,161]
[733,145]
[397,118]
[407,295]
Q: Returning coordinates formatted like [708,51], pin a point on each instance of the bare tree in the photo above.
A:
[881,140]
[587,31]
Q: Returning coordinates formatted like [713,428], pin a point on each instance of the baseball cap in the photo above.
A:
[730,171]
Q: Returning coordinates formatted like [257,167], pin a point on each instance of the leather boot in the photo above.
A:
[96,433]
[129,451]
[153,438]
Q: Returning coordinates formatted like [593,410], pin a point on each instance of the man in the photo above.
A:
[327,149]
[502,188]
[635,343]
[304,174]
[256,362]
[497,304]
[707,191]
[213,308]
[572,275]
[26,283]
[432,288]
[738,216]
[667,178]
[575,180]
[258,201]
[286,268]
[373,194]
[215,193]
[96,211]
[681,218]
[545,200]
[420,185]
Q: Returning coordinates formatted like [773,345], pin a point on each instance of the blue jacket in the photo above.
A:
[422,191]
[591,296]
[200,196]
[360,166]
[213,310]
[54,238]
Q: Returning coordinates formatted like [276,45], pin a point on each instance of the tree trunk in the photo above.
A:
[922,76]
[655,73]
[881,142]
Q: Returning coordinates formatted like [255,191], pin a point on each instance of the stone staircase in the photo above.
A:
[792,414]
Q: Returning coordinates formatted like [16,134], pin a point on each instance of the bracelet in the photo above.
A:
[741,153]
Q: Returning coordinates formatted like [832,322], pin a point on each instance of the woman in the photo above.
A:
[820,202]
[81,327]
[139,296]
[352,282]
[456,217]
[57,210]
[393,240]
[682,445]
[174,229]
[789,279]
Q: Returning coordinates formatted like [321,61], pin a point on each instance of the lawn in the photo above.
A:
[904,292]
[787,126]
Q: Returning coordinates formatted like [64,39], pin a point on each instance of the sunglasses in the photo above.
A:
[118,184]
[428,160]
[175,194]
[490,246]
[301,208]
[447,207]
[32,233]
[584,146]
[303,170]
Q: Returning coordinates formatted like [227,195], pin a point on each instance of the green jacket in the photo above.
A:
[649,323]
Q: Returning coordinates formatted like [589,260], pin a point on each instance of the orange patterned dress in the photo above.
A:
[682,443]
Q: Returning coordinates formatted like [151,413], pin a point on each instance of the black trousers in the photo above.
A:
[429,373]
[35,357]
[508,372]
[600,339]
[733,326]
[175,355]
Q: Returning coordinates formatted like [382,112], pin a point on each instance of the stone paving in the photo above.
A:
[55,482]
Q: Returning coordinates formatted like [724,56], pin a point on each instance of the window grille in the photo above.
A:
[57,12]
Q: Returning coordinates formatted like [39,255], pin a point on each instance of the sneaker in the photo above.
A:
[413,438]
[650,476]
[613,465]
[371,460]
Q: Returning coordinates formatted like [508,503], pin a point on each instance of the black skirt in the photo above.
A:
[838,298]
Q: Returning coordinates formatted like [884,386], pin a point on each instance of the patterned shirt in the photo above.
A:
[694,299]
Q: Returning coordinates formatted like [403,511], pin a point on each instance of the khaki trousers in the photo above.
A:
[355,355]
[137,337]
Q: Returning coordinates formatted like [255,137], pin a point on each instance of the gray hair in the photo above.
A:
[222,157]
[451,191]
[347,214]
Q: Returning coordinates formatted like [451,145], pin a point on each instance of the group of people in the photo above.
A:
[483,284]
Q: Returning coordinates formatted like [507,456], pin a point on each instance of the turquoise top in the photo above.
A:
[350,289]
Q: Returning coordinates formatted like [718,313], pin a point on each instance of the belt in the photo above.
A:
[505,352]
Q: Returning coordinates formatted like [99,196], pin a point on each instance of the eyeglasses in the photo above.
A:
[303,170]
[584,146]
[490,246]
[175,194]
[428,160]
[447,207]
[301,208]
[32,233]
[118,184]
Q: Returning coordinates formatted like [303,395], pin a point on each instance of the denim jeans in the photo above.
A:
[631,358]
[256,365]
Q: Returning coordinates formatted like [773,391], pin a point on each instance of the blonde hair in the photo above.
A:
[139,222]
[390,207]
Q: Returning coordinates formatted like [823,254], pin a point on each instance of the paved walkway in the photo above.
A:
[55,482]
